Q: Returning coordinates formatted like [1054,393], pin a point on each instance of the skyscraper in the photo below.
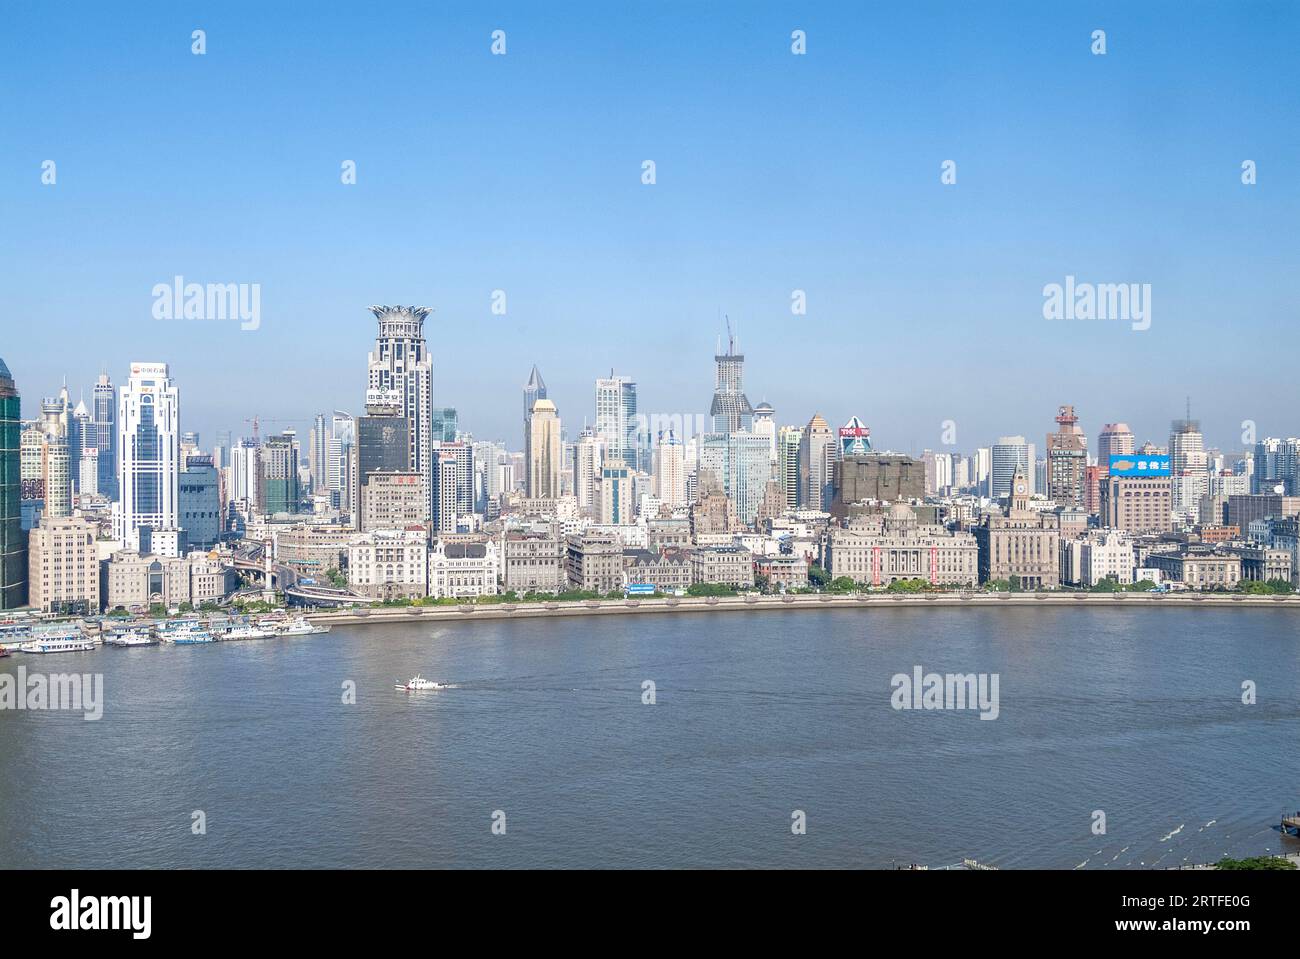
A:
[670,470]
[1115,439]
[545,451]
[148,422]
[1010,454]
[788,441]
[616,422]
[730,408]
[280,489]
[816,464]
[1067,460]
[534,390]
[104,416]
[401,373]
[1189,464]
[13,542]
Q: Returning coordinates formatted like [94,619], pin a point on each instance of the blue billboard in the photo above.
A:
[1140,464]
[640,589]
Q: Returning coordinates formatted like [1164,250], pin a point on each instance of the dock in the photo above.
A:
[1291,824]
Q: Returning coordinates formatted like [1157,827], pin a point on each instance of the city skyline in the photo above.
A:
[840,199]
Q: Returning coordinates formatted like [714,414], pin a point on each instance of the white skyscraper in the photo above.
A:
[148,424]
[616,422]
[670,470]
[588,457]
[401,371]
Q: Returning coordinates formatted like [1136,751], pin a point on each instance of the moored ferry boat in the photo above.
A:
[245,631]
[190,635]
[134,637]
[300,626]
[68,643]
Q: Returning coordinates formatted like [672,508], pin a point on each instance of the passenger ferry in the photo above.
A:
[68,643]
[190,635]
[134,637]
[245,631]
[299,626]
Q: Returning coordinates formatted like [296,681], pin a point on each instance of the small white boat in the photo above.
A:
[418,683]
[131,638]
[246,632]
[299,626]
[59,644]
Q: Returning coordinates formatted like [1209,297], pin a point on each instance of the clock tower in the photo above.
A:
[1019,492]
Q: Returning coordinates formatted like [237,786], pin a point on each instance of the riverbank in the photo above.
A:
[822,601]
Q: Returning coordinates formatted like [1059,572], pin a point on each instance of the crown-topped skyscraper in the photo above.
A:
[401,375]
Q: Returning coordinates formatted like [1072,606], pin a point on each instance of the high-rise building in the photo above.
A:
[670,470]
[588,458]
[63,567]
[200,501]
[148,424]
[453,478]
[534,390]
[788,441]
[445,426]
[816,464]
[47,469]
[1187,460]
[383,443]
[616,422]
[614,494]
[401,374]
[1115,439]
[280,487]
[765,425]
[13,541]
[1009,455]
[738,462]
[545,453]
[1067,460]
[730,408]
[104,419]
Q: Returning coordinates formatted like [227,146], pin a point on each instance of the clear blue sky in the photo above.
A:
[775,172]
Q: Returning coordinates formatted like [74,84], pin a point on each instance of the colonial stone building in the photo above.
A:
[63,568]
[788,571]
[1023,542]
[1199,567]
[723,565]
[594,562]
[534,561]
[666,570]
[894,546]
[135,580]
[390,564]
[463,569]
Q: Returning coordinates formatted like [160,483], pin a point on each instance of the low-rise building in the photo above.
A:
[533,561]
[1105,554]
[892,546]
[1199,567]
[723,566]
[667,570]
[312,551]
[463,569]
[594,562]
[782,572]
[132,580]
[390,564]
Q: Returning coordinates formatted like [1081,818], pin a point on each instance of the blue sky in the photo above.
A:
[775,172]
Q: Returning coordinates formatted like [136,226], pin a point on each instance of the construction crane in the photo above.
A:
[257,421]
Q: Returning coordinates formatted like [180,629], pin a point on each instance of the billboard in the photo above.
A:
[855,438]
[640,589]
[1140,464]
